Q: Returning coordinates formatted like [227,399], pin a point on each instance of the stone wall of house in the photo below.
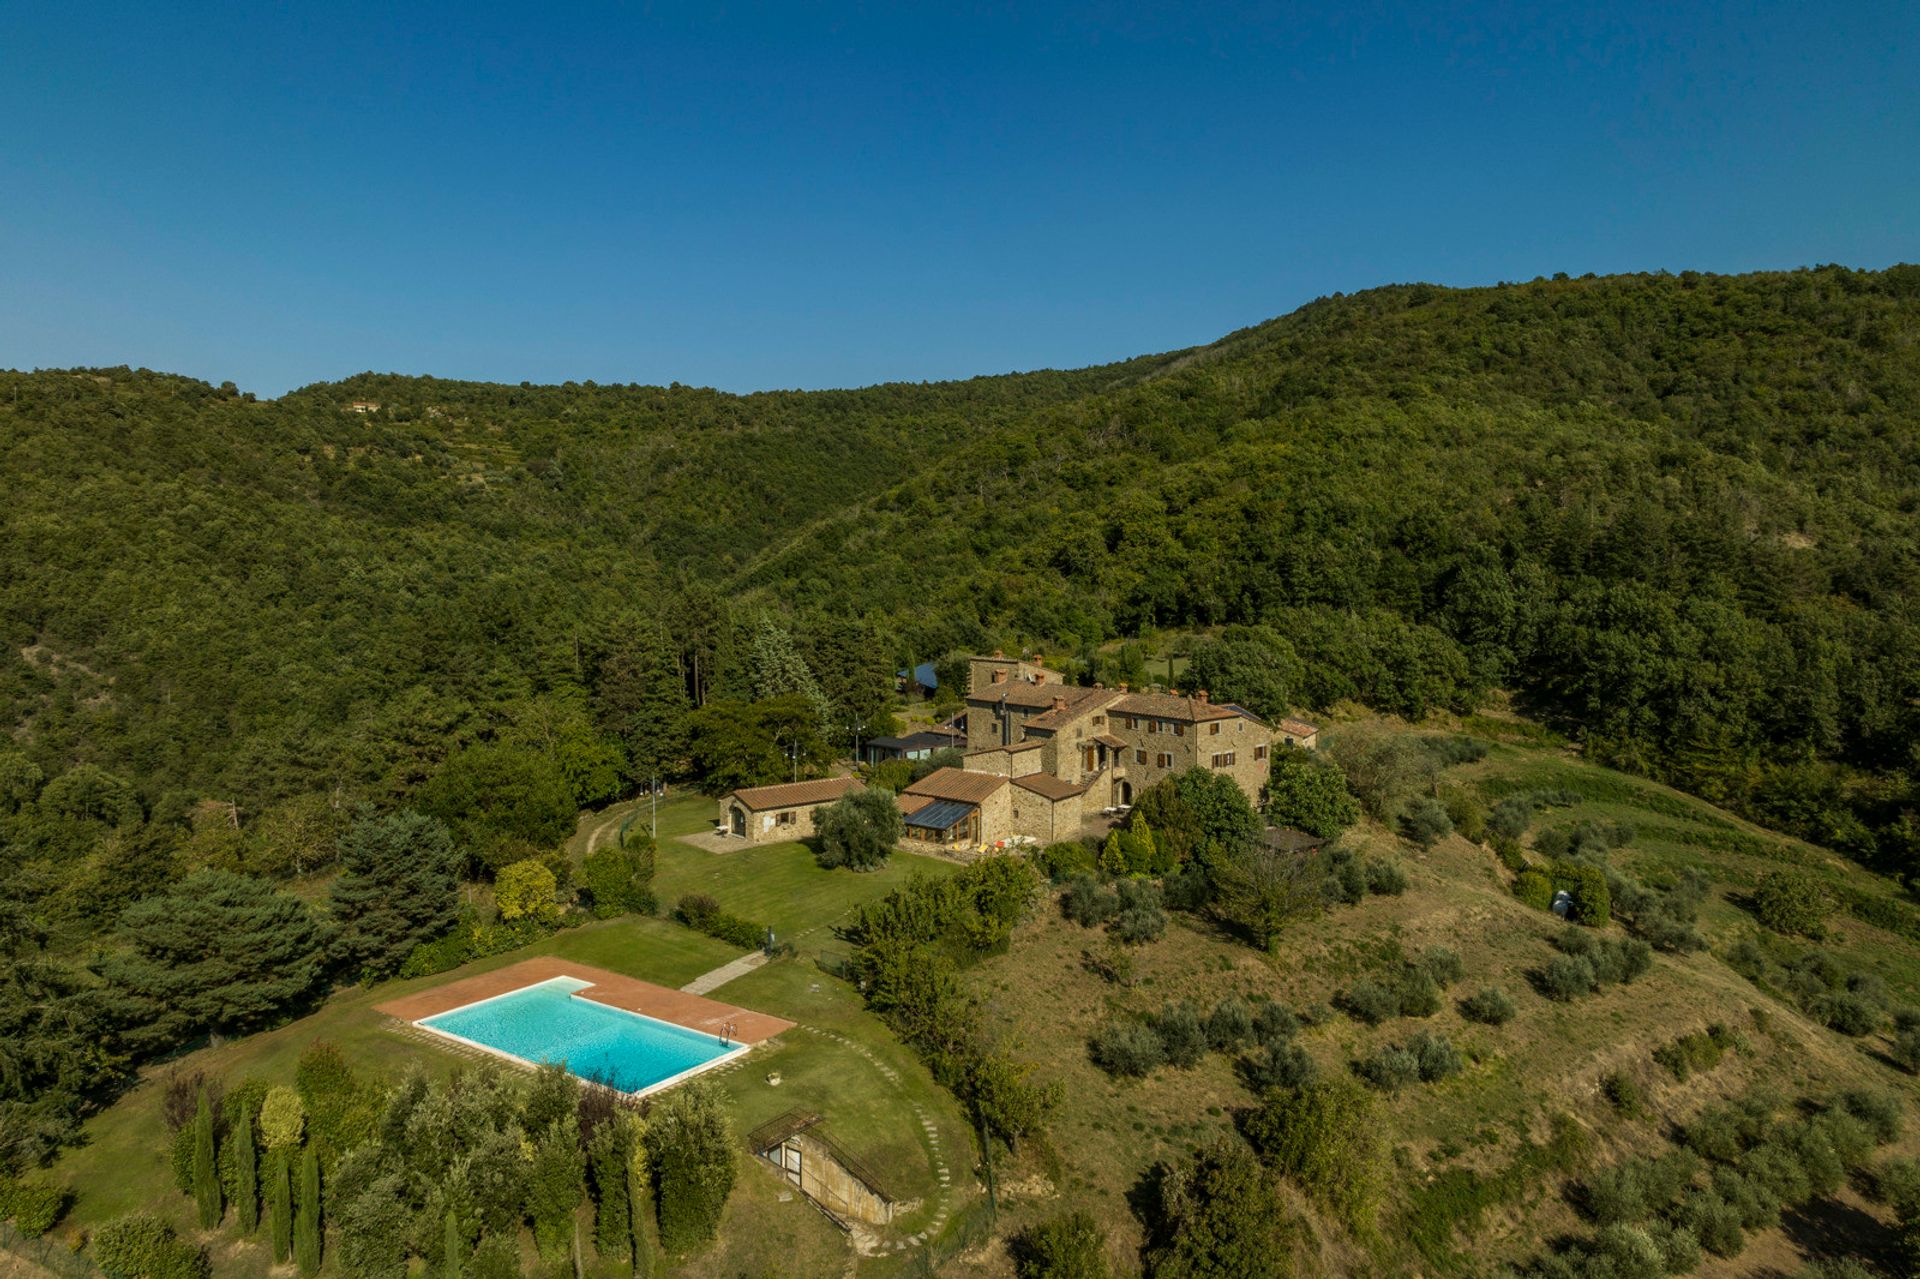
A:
[1038,817]
[996,815]
[766,825]
[1177,747]
[984,672]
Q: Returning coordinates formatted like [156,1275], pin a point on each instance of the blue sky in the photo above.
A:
[752,197]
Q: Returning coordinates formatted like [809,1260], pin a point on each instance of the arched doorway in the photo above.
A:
[739,816]
[1123,792]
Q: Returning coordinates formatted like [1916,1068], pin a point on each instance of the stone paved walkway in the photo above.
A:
[725,973]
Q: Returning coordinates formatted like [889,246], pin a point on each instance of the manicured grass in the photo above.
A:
[781,885]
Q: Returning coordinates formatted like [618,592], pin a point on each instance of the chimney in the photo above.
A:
[1123,686]
[1202,695]
[999,652]
[1059,704]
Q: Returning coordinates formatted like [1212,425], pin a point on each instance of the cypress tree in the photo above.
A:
[451,1260]
[246,1202]
[555,1188]
[279,1204]
[206,1175]
[608,1155]
[637,1217]
[306,1222]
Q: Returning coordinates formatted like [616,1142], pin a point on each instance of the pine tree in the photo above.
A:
[306,1222]
[214,953]
[246,1203]
[206,1174]
[640,696]
[279,1205]
[779,670]
[399,886]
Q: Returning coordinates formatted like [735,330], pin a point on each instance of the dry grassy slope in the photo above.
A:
[1546,1063]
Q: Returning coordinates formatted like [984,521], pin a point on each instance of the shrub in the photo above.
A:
[1620,1089]
[1230,1024]
[1534,888]
[1183,1037]
[619,880]
[1140,918]
[1126,1049]
[1490,1007]
[1327,1136]
[1425,822]
[1369,1001]
[1065,860]
[1879,1111]
[1277,1063]
[1587,886]
[1066,1247]
[1419,995]
[1435,1055]
[1385,878]
[525,890]
[1566,977]
[1792,902]
[1896,1183]
[1272,1022]
[1390,1067]
[1087,903]
[1847,1013]
[283,1118]
[1690,1053]
[142,1246]
[34,1206]
[1442,964]
[1906,1049]
[1714,1222]
[703,914]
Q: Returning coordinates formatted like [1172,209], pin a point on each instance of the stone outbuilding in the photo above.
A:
[769,814]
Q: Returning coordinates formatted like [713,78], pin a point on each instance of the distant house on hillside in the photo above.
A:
[1297,732]
[921,681]
[364,406]
[913,746]
[765,814]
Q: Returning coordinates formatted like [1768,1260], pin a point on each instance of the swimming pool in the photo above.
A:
[546,1023]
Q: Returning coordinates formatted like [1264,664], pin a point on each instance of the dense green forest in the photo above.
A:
[1677,515]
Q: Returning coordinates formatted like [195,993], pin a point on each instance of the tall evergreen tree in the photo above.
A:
[216,953]
[555,1187]
[206,1174]
[399,886]
[690,1150]
[778,670]
[246,1199]
[306,1219]
[453,1247]
[609,1154]
[640,695]
[280,1203]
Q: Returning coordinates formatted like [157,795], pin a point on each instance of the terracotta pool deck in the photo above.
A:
[693,1011]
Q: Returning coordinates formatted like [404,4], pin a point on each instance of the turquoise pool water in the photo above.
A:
[546,1024]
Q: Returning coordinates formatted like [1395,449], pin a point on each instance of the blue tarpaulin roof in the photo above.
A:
[942,814]
[923,675]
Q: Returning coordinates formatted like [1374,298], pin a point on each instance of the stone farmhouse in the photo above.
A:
[1044,761]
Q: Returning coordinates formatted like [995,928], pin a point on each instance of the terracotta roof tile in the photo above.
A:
[1049,786]
[958,783]
[794,794]
[1190,710]
[1298,728]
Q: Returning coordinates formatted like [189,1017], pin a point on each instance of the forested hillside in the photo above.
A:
[1678,513]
